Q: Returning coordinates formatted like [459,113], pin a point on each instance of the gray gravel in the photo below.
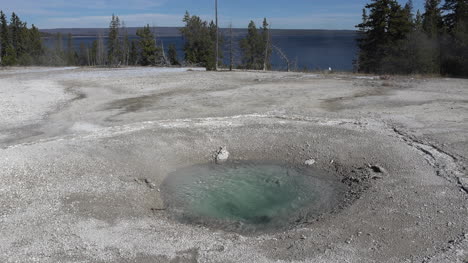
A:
[83,153]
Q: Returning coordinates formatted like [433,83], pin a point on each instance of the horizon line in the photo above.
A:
[323,29]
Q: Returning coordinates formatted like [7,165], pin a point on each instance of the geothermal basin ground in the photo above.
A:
[90,160]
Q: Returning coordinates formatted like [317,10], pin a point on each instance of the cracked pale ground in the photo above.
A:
[84,152]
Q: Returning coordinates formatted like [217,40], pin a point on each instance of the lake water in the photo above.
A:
[312,51]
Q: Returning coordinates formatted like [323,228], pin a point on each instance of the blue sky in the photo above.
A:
[286,14]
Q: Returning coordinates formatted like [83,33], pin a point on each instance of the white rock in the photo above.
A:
[309,162]
[222,155]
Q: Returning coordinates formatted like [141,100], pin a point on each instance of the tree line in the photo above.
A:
[21,45]
[392,40]
[18,43]
[395,40]
[200,40]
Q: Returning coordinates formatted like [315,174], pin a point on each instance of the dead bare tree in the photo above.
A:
[125,44]
[153,31]
[100,53]
[88,56]
[165,60]
[283,56]
[267,48]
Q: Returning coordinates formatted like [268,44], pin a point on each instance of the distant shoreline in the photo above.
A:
[175,31]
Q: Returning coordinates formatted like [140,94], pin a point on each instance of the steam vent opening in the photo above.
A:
[250,197]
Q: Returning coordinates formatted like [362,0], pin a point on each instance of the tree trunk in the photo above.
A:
[267,45]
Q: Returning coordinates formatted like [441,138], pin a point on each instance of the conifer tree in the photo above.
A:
[133,55]
[266,45]
[4,36]
[382,35]
[113,45]
[149,52]
[455,56]
[36,49]
[456,14]
[432,18]
[374,38]
[252,47]
[200,41]
[93,50]
[418,21]
[409,6]
[10,56]
[15,27]
[172,53]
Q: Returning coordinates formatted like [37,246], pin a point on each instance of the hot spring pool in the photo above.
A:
[249,197]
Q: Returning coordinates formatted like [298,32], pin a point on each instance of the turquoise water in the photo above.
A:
[249,197]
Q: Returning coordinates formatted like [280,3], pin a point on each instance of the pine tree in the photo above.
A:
[36,48]
[149,52]
[456,14]
[362,31]
[93,50]
[409,6]
[133,55]
[432,29]
[418,21]
[420,51]
[266,45]
[113,45]
[382,36]
[400,22]
[252,47]
[455,56]
[10,56]
[200,41]
[400,25]
[432,18]
[15,27]
[172,53]
[4,36]
[374,37]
